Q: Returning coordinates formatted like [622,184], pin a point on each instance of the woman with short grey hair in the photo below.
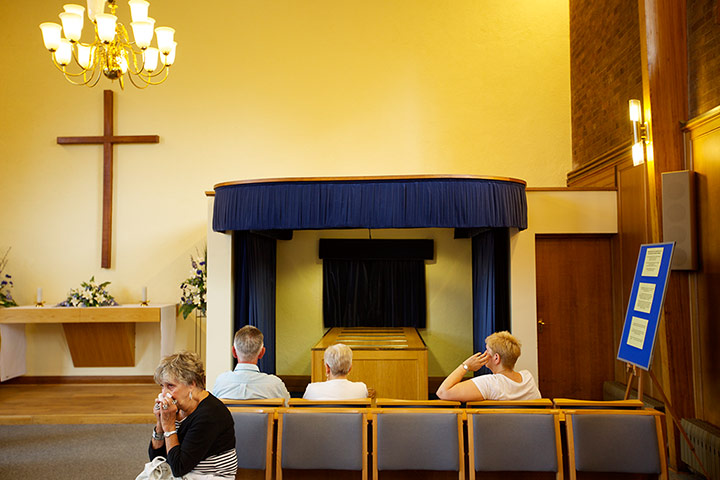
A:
[194,431]
[338,363]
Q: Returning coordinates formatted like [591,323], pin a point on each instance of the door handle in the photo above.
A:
[541,324]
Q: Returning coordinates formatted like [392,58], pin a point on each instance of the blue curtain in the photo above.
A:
[254,264]
[370,203]
[491,285]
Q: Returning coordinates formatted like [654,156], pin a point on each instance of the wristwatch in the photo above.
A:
[156,436]
[465,367]
[167,434]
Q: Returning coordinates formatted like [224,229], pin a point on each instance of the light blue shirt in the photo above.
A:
[247,382]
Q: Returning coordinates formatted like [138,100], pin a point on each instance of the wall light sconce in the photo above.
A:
[640,132]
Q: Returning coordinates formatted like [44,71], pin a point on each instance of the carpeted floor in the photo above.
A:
[73,452]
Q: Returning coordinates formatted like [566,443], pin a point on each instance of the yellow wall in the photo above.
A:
[264,89]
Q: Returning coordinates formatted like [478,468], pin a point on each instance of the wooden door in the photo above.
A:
[576,353]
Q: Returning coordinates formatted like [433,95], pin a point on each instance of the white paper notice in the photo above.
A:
[638,329]
[653,258]
[644,299]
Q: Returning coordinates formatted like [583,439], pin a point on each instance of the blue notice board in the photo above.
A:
[645,305]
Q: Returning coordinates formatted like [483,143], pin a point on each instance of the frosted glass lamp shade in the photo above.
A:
[151,59]
[85,55]
[143,32]
[169,59]
[63,55]
[165,38]
[72,25]
[638,155]
[51,35]
[106,26]
[635,110]
[138,10]
[95,7]
[73,8]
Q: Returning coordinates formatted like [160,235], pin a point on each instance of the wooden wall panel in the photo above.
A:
[705,151]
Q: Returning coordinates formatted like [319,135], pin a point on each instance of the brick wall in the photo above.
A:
[703,55]
[606,72]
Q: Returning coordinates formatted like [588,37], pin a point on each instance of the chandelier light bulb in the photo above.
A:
[72,24]
[143,32]
[138,10]
[51,35]
[165,39]
[106,26]
[63,55]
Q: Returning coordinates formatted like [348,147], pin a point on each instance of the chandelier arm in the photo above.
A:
[150,82]
[84,82]
[142,86]
[66,73]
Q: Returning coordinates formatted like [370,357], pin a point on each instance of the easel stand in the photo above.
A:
[633,372]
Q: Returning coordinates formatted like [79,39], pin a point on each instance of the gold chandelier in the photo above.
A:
[111,52]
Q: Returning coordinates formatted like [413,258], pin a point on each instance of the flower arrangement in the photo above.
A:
[89,294]
[6,284]
[193,291]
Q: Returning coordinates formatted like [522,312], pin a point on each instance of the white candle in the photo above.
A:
[39,295]
[144,295]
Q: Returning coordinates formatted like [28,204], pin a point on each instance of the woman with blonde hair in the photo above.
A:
[194,430]
[501,352]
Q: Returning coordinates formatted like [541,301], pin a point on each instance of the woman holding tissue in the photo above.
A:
[194,430]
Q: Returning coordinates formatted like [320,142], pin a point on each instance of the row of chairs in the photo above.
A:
[400,403]
[465,440]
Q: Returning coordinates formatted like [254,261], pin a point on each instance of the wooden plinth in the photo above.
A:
[101,344]
[393,361]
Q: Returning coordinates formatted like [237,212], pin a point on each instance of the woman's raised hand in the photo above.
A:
[477,361]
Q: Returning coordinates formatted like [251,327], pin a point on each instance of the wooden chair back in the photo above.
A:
[322,439]
[537,403]
[514,440]
[418,439]
[620,441]
[254,434]
[352,403]
[566,403]
[257,402]
[400,403]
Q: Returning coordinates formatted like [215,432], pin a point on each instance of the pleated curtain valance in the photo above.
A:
[370,202]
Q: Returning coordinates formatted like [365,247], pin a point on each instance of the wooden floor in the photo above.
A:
[77,403]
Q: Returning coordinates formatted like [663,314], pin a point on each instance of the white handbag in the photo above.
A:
[158,469]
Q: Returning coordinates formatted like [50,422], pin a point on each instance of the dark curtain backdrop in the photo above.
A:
[254,264]
[374,293]
[491,285]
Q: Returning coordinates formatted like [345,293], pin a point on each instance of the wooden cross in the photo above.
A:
[108,139]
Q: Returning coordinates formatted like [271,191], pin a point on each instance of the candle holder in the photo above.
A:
[40,304]
[144,303]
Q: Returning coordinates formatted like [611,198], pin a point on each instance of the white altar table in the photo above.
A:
[96,336]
